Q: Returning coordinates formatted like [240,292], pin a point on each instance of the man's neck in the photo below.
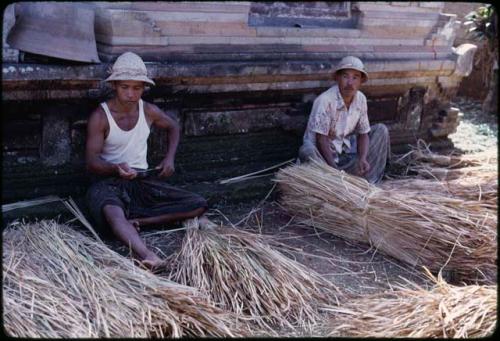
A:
[347,101]
[124,107]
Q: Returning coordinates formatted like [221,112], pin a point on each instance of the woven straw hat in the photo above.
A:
[351,62]
[129,67]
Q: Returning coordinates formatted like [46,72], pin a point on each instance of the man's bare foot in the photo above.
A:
[153,263]
[205,223]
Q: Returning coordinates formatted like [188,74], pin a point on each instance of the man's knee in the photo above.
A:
[307,153]
[379,132]
[199,211]
[113,212]
[380,128]
[201,203]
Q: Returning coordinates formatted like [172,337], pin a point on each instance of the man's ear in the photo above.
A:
[335,76]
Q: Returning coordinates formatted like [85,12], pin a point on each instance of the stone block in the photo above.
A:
[431,4]
[400,3]
[232,122]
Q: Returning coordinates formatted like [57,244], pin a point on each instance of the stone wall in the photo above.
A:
[240,77]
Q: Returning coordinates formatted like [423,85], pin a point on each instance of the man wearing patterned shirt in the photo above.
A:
[338,131]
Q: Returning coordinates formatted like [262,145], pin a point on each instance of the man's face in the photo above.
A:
[129,91]
[349,81]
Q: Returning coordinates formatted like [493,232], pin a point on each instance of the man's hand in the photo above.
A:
[125,172]
[167,168]
[363,166]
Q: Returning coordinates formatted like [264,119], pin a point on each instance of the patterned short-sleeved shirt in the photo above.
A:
[330,116]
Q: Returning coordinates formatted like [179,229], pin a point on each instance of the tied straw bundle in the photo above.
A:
[59,283]
[445,311]
[243,274]
[431,230]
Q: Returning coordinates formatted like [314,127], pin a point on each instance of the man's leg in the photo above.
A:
[167,218]
[308,152]
[127,234]
[155,202]
[378,152]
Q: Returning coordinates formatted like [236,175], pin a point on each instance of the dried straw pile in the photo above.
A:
[243,274]
[431,230]
[427,164]
[422,153]
[445,311]
[484,173]
[59,283]
[471,176]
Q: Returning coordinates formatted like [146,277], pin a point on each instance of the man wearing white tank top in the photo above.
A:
[116,152]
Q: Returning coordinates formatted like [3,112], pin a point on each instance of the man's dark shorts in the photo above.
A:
[139,198]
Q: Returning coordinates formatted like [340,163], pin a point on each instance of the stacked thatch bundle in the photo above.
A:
[445,311]
[243,274]
[431,230]
[59,283]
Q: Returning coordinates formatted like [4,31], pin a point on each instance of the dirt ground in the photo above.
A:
[353,267]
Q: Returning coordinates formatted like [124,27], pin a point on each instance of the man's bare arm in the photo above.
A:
[164,121]
[323,145]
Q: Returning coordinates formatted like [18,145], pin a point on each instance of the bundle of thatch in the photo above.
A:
[243,274]
[59,283]
[481,189]
[445,311]
[430,230]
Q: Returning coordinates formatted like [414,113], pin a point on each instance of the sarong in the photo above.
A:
[139,198]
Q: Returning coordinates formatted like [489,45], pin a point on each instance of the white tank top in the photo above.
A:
[127,146]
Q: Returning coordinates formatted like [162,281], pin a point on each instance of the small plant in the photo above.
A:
[483,21]
[483,26]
